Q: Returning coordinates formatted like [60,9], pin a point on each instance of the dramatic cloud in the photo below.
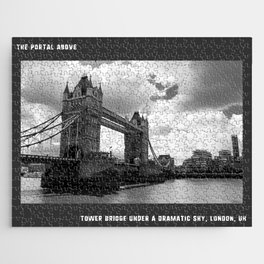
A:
[234,109]
[170,93]
[189,104]
[97,64]
[158,85]
[162,130]
[128,86]
[34,113]
[211,85]
[43,82]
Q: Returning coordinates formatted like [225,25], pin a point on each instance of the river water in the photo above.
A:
[172,191]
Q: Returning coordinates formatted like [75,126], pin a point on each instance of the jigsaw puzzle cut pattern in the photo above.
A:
[194,113]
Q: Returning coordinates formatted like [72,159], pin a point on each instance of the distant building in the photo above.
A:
[238,163]
[235,147]
[166,161]
[224,161]
[200,161]
[188,165]
[200,153]
[225,156]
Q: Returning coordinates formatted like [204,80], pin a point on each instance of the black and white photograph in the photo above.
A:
[132,131]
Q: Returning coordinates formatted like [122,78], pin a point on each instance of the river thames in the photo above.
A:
[172,191]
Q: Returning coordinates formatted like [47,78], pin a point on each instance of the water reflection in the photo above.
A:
[173,191]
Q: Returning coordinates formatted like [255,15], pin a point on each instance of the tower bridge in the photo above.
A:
[82,116]
[84,134]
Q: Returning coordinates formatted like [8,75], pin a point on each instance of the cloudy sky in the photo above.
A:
[189,104]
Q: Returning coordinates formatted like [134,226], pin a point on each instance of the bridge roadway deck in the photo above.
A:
[119,120]
[112,125]
[25,158]
[44,159]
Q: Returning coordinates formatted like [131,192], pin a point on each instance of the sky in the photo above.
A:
[189,104]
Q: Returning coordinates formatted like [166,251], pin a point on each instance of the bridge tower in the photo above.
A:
[136,143]
[83,136]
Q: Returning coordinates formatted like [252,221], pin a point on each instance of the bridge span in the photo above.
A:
[27,159]
[82,116]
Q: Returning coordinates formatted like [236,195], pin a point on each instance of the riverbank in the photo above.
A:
[171,191]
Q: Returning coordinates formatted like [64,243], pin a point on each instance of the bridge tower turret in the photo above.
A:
[136,143]
[66,92]
[144,140]
[83,136]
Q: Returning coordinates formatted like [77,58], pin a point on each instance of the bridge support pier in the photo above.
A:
[136,143]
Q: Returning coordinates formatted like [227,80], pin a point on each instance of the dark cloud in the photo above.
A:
[94,64]
[170,93]
[162,130]
[155,97]
[45,88]
[42,84]
[27,115]
[49,95]
[45,99]
[213,84]
[235,109]
[97,64]
[152,76]
[158,85]
[126,62]
[123,96]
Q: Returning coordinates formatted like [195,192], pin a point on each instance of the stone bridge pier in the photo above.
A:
[136,142]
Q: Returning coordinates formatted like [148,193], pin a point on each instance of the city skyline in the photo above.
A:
[189,105]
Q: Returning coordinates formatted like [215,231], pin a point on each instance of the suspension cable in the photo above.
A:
[46,128]
[54,117]
[40,141]
[154,154]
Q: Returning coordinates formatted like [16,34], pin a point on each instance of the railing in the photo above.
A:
[111,125]
[118,119]
[44,158]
